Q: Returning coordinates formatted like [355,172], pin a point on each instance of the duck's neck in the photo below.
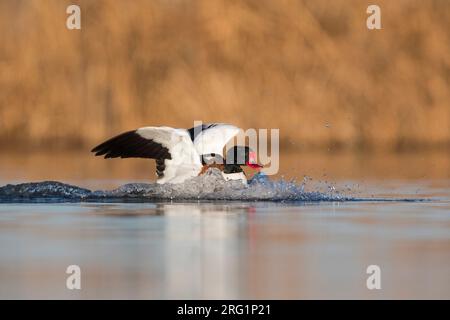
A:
[232,168]
[217,161]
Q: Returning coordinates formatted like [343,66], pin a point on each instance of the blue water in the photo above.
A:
[209,239]
[207,187]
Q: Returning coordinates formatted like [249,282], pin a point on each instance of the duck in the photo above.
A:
[181,154]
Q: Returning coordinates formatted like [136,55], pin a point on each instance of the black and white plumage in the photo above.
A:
[178,152]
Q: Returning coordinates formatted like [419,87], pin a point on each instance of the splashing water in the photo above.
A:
[210,186]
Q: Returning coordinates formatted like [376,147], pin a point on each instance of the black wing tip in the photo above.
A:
[100,151]
[95,150]
[103,148]
[130,144]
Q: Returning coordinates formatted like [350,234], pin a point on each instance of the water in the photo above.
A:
[209,186]
[303,240]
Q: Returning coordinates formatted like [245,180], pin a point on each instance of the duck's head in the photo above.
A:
[242,156]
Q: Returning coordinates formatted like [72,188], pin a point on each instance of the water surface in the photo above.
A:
[234,249]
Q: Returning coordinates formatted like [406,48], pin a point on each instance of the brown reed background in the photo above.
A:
[310,68]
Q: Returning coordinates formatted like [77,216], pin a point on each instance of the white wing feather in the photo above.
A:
[185,162]
[212,140]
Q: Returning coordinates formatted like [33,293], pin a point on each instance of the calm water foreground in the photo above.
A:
[229,249]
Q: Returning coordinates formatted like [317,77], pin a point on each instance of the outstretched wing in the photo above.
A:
[173,148]
[211,138]
[132,144]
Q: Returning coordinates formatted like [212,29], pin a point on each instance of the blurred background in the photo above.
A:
[364,112]
[310,68]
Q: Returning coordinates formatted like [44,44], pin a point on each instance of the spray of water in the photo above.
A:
[210,186]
